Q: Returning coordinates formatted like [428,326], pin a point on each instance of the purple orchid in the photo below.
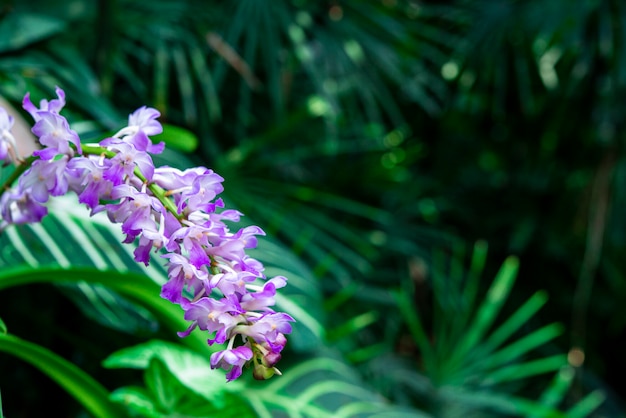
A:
[7,142]
[141,124]
[182,275]
[126,159]
[52,106]
[55,135]
[19,207]
[214,316]
[161,209]
[233,359]
[45,178]
[88,182]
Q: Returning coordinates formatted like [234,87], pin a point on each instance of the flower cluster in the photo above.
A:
[160,208]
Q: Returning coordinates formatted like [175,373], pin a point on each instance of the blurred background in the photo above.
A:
[449,175]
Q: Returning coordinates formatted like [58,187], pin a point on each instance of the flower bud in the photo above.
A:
[261,372]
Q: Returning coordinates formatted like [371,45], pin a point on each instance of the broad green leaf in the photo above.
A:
[87,242]
[137,401]
[3,327]
[182,381]
[190,368]
[86,391]
[136,287]
[163,386]
[319,387]
[175,398]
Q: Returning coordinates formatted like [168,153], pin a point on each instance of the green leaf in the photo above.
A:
[88,392]
[557,390]
[178,138]
[500,403]
[136,287]
[108,308]
[301,298]
[413,320]
[87,242]
[352,326]
[20,29]
[489,308]
[479,258]
[526,369]
[93,243]
[317,387]
[586,405]
[176,399]
[3,327]
[190,368]
[521,346]
[137,401]
[181,381]
[163,386]
[515,321]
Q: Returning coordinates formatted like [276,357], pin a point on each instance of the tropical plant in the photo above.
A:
[368,138]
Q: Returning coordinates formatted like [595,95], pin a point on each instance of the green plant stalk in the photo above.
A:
[19,170]
[87,391]
[157,191]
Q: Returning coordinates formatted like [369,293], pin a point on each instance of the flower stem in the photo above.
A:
[156,190]
[19,170]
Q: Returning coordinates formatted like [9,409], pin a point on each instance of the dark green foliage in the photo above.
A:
[375,142]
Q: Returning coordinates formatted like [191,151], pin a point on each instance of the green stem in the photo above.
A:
[157,191]
[19,170]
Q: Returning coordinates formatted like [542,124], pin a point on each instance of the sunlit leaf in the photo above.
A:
[137,401]
[190,368]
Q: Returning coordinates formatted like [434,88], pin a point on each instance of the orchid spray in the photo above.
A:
[176,212]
